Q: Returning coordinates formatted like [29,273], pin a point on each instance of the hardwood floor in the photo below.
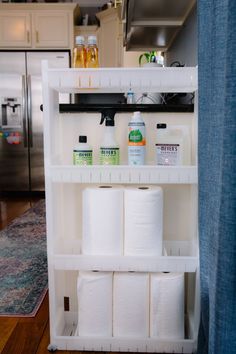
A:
[24,335]
[21,335]
[10,208]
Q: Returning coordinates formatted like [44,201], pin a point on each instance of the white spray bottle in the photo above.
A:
[136,140]
[109,153]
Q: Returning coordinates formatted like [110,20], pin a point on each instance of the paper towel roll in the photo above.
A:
[131,305]
[95,304]
[103,221]
[167,305]
[143,221]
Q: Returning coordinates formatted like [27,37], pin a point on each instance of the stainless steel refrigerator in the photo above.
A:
[21,120]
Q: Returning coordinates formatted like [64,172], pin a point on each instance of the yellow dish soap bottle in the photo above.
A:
[79,53]
[92,53]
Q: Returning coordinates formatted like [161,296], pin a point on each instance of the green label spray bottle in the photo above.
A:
[109,153]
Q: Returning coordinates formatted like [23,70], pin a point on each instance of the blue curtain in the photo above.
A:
[217,175]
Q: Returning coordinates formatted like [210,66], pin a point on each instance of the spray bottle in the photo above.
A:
[109,153]
[136,140]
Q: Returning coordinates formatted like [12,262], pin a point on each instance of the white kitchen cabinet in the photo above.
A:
[37,26]
[15,29]
[65,184]
[51,29]
[110,37]
[112,53]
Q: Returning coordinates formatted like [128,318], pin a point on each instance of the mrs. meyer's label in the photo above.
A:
[82,157]
[168,154]
[109,156]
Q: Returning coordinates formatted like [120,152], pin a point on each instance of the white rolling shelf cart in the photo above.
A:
[64,185]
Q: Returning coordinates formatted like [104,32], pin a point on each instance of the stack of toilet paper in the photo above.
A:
[127,221]
[119,221]
[130,304]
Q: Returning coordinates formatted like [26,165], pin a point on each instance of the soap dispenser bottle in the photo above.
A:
[109,153]
[82,152]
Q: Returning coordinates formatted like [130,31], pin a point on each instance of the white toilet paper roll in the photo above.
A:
[143,221]
[167,305]
[103,221]
[131,305]
[95,304]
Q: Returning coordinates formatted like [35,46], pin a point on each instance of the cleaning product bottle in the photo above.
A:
[109,150]
[173,145]
[136,140]
[130,96]
[79,53]
[92,53]
[82,153]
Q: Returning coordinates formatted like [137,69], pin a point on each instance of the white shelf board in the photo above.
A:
[169,79]
[145,345]
[126,263]
[124,174]
[182,257]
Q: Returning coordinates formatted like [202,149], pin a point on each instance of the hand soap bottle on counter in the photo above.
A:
[109,153]
[82,153]
[79,53]
[173,145]
[92,53]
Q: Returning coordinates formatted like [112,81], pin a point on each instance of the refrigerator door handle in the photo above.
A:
[24,112]
[29,111]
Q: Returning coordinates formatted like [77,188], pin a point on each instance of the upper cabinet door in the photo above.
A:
[15,29]
[109,38]
[51,29]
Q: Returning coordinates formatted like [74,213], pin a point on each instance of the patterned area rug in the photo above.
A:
[23,263]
